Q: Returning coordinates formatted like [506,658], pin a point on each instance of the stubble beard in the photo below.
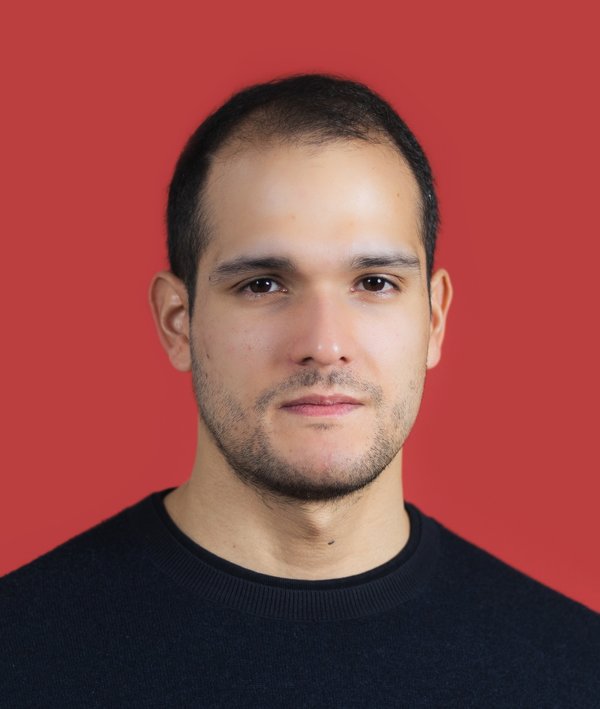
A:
[242,438]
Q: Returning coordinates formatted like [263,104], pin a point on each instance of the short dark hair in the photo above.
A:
[307,108]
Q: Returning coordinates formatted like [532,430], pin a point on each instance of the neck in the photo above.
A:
[291,539]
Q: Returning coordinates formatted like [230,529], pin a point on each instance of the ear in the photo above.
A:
[169,305]
[441,297]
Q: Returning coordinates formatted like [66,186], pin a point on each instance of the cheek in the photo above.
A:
[234,347]
[398,344]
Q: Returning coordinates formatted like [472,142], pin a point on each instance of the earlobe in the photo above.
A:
[168,300]
[441,297]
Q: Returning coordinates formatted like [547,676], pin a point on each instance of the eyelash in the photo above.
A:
[387,281]
[246,287]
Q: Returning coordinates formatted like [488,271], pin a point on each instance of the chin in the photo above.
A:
[314,487]
[325,460]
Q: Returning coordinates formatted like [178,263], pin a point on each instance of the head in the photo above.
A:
[302,222]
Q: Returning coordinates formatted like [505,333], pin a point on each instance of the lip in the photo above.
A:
[319,400]
[318,405]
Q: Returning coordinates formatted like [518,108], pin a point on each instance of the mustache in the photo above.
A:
[312,378]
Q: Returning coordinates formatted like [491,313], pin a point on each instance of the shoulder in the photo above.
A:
[60,575]
[497,577]
[516,608]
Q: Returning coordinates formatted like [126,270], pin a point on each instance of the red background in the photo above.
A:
[97,103]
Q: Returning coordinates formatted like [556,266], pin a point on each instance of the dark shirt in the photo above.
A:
[132,613]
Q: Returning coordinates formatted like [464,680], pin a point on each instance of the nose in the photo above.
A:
[321,332]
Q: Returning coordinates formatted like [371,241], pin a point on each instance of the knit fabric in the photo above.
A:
[133,613]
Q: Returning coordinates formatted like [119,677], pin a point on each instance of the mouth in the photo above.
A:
[316,405]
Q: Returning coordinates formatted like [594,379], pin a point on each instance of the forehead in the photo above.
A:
[306,201]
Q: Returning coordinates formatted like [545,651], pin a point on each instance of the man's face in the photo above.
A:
[311,323]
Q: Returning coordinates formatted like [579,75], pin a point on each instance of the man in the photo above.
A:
[289,570]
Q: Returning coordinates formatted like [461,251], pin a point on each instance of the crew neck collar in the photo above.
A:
[236,587]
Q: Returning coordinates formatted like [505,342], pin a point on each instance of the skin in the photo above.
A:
[312,489]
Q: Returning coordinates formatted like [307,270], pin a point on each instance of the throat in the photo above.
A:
[304,541]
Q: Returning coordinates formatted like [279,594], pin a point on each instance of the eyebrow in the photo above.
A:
[243,265]
[398,259]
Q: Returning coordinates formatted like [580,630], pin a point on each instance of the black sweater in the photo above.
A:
[132,613]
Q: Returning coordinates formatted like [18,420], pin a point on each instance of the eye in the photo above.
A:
[263,285]
[375,284]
